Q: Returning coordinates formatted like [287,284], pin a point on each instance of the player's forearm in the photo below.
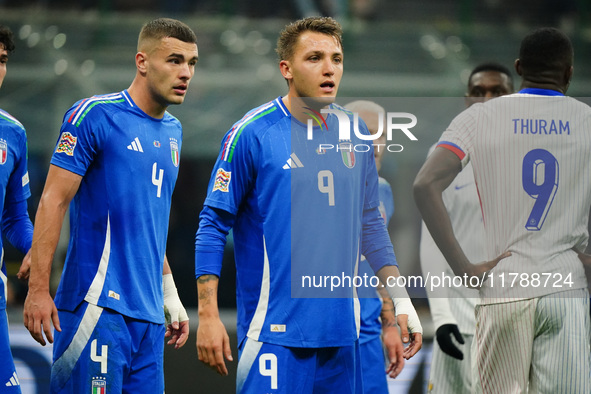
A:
[166,267]
[207,293]
[430,203]
[387,314]
[48,224]
[386,275]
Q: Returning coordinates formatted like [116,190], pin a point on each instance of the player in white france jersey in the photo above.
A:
[297,209]
[532,164]
[117,162]
[452,308]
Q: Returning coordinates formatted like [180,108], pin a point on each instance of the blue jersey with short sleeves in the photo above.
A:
[14,178]
[298,212]
[119,216]
[371,303]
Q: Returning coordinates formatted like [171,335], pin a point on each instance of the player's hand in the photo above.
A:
[177,320]
[414,339]
[25,269]
[481,270]
[411,330]
[447,345]
[394,350]
[38,314]
[585,258]
[177,328]
[213,344]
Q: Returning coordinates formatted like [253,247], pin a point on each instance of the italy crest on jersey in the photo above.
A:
[174,152]
[99,385]
[66,144]
[3,151]
[347,154]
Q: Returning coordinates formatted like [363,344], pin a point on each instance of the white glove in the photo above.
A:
[174,311]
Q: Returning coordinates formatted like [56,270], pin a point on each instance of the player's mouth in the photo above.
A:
[181,89]
[327,86]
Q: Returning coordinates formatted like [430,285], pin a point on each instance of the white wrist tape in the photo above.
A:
[404,306]
[173,308]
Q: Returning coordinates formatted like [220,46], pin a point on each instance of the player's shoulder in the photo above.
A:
[172,120]
[96,107]
[7,121]
[261,119]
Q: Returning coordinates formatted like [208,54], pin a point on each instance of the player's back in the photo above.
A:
[532,165]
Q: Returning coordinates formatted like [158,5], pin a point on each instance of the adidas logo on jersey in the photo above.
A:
[135,145]
[13,381]
[292,162]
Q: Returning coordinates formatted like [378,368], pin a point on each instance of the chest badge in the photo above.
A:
[174,152]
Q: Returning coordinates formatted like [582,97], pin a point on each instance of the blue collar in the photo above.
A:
[541,92]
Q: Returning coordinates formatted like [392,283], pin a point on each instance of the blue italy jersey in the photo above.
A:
[299,213]
[14,178]
[369,300]
[119,216]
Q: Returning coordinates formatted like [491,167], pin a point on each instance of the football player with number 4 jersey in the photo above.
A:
[117,161]
[301,212]
[532,164]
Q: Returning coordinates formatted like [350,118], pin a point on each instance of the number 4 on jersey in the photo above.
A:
[540,181]
[157,179]
[99,359]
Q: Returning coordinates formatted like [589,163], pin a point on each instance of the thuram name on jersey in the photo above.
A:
[541,126]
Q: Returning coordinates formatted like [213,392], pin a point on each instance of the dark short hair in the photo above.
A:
[7,38]
[491,66]
[160,28]
[288,37]
[545,49]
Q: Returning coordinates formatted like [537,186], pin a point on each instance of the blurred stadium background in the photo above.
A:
[67,50]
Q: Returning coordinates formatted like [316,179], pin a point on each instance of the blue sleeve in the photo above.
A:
[375,241]
[386,197]
[16,225]
[210,240]
[79,142]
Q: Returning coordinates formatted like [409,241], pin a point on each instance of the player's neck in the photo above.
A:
[145,101]
[301,108]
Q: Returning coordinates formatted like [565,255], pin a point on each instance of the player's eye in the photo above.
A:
[477,93]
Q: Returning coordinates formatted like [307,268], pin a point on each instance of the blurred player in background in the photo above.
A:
[16,225]
[294,205]
[532,164]
[452,308]
[377,309]
[117,160]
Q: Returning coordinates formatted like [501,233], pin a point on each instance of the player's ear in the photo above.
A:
[569,74]
[285,68]
[518,68]
[141,62]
